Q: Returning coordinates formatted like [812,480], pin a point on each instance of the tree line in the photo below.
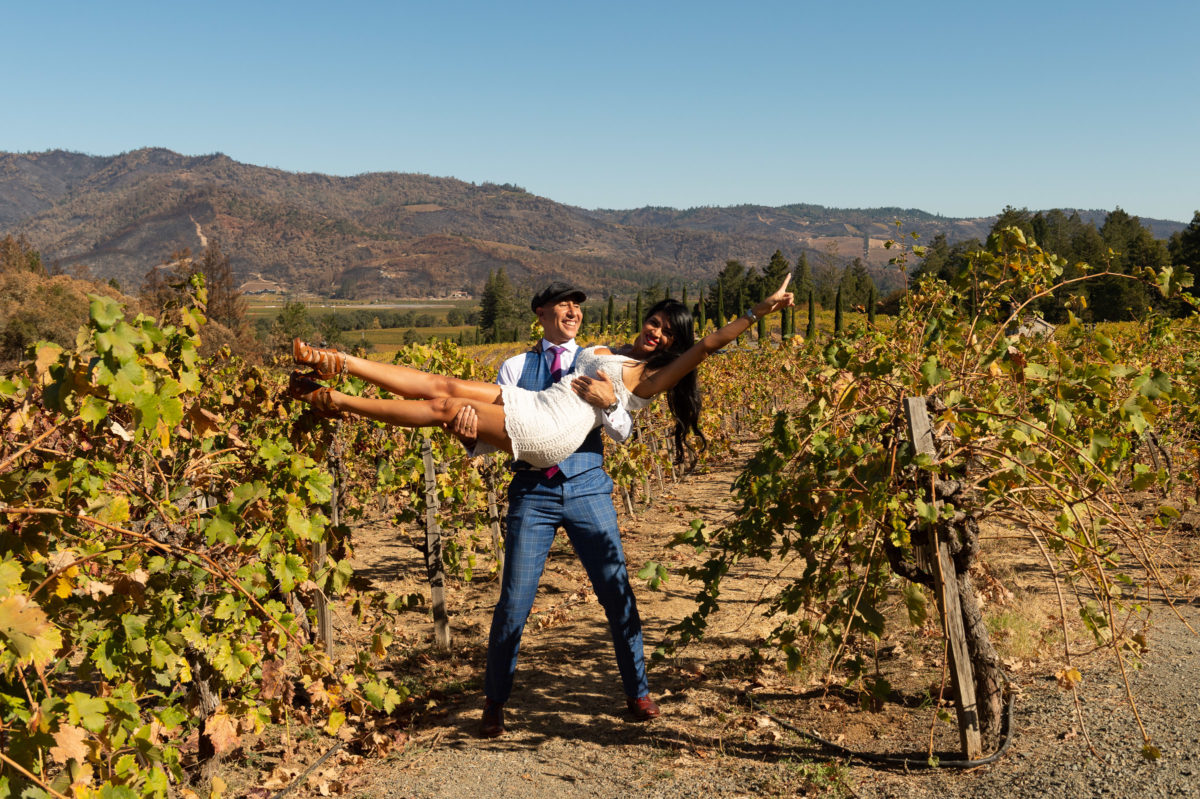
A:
[1121,245]
[37,304]
[504,316]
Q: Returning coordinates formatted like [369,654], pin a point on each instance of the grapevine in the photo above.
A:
[1035,433]
[156,556]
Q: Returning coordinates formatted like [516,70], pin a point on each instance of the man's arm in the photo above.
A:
[598,392]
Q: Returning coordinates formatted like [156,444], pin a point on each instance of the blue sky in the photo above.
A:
[954,108]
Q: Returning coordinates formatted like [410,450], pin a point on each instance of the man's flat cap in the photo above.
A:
[556,292]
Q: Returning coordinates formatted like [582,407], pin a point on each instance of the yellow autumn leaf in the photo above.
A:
[69,744]
[62,588]
[19,420]
[1068,678]
[204,421]
[116,511]
[25,626]
[221,729]
[47,355]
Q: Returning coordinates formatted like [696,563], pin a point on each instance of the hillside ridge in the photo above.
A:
[396,234]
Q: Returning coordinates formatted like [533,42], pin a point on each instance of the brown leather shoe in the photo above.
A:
[319,397]
[326,363]
[492,723]
[642,709]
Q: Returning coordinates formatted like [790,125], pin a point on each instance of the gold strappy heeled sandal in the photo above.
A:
[318,397]
[326,363]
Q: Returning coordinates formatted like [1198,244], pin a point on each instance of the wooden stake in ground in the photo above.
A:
[946,590]
[433,551]
[321,602]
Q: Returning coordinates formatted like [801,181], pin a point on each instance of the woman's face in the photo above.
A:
[655,333]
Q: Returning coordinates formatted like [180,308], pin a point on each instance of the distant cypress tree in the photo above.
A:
[811,330]
[741,304]
[787,324]
[497,305]
[637,316]
[684,298]
[612,316]
[762,320]
[802,282]
[720,320]
[628,311]
[700,313]
[837,313]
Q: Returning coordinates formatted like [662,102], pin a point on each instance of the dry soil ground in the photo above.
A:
[569,736]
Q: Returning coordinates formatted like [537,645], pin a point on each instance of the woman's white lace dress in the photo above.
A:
[546,426]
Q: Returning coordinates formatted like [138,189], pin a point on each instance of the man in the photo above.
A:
[575,495]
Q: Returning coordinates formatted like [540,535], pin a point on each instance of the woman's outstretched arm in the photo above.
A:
[672,373]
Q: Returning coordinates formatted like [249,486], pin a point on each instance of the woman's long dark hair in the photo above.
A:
[684,398]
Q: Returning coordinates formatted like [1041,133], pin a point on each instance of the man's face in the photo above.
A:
[560,320]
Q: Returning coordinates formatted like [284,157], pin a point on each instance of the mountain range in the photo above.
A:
[390,234]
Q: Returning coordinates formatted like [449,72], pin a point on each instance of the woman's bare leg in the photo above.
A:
[412,383]
[439,412]
[415,384]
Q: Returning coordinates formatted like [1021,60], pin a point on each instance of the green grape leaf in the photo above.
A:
[914,601]
[931,373]
[288,570]
[220,529]
[104,311]
[93,410]
[87,711]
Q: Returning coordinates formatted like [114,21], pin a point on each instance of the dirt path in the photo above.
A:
[568,735]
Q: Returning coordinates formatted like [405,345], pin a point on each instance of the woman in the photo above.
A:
[538,427]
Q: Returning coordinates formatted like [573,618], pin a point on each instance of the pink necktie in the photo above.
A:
[556,373]
[556,365]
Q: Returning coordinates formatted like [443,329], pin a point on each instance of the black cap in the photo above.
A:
[556,292]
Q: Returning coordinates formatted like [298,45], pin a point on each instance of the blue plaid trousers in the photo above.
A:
[582,505]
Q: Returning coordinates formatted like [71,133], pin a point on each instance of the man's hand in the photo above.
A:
[466,426]
[595,391]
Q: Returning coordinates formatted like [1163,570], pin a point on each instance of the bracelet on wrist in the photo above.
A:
[751,315]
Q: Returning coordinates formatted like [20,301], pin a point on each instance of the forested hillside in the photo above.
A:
[409,235]
[390,234]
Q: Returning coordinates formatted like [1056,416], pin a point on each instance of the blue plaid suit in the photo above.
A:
[578,499]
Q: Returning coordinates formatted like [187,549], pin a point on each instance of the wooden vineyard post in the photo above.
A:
[321,602]
[935,557]
[433,551]
[628,502]
[494,518]
[671,464]
[662,488]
